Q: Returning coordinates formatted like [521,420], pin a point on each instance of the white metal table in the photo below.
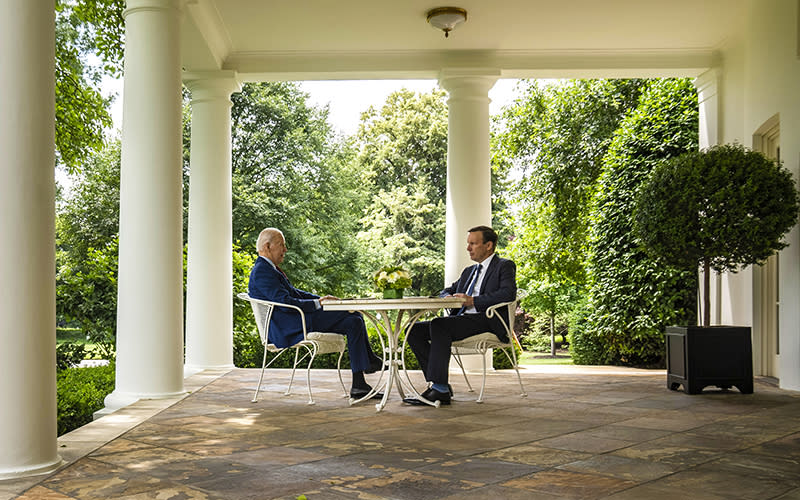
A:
[377,310]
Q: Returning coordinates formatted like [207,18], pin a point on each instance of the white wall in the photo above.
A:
[760,75]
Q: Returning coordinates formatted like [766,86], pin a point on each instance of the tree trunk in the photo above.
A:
[553,336]
[706,297]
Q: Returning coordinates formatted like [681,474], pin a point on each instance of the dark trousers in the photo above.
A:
[352,326]
[431,341]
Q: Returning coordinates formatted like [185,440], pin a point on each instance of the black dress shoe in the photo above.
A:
[360,393]
[431,395]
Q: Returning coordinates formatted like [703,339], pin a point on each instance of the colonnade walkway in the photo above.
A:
[583,433]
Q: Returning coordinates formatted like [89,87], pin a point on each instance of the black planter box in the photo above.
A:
[716,355]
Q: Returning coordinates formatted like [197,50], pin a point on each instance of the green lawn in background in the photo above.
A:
[74,335]
[563,357]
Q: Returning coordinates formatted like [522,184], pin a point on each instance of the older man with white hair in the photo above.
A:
[269,282]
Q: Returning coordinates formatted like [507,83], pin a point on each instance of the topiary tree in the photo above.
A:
[722,208]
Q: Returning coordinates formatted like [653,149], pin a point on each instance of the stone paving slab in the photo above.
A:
[583,433]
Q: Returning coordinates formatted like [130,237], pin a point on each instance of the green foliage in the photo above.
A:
[105,28]
[89,26]
[586,344]
[407,230]
[69,354]
[402,157]
[87,229]
[633,296]
[81,392]
[537,335]
[405,141]
[247,349]
[557,135]
[501,362]
[87,294]
[243,321]
[289,173]
[726,206]
[70,334]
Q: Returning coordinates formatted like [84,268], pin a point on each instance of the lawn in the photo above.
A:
[562,357]
[77,337]
[74,335]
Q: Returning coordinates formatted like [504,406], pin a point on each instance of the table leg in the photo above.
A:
[384,329]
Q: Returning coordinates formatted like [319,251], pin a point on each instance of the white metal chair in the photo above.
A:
[481,343]
[313,343]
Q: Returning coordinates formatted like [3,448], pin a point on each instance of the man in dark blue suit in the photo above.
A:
[268,282]
[491,281]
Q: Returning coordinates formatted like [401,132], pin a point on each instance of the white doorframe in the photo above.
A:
[766,293]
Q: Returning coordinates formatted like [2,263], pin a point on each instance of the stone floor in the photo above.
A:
[583,433]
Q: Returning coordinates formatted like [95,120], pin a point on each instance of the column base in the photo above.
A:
[117,400]
[33,470]
[189,370]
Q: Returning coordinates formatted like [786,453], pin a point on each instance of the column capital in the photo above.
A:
[469,81]
[707,83]
[133,6]
[209,85]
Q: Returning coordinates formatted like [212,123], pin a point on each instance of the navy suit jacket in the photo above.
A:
[267,283]
[499,285]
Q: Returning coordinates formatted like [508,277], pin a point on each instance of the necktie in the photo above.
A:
[471,288]
[283,273]
[475,274]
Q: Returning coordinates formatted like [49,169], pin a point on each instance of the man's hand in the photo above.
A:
[468,300]
[328,297]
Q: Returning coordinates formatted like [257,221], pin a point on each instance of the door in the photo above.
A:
[767,293]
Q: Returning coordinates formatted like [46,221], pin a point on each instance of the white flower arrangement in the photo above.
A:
[391,278]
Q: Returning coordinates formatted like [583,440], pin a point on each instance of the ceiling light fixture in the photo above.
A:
[446,18]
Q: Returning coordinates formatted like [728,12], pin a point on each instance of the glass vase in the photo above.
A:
[393,293]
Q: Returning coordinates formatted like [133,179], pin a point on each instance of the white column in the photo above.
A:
[708,135]
[150,283]
[209,307]
[469,180]
[27,245]
[469,187]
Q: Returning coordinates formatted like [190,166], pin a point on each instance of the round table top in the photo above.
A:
[376,304]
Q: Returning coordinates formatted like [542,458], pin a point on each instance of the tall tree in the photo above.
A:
[290,172]
[402,158]
[87,230]
[556,136]
[397,230]
[405,141]
[84,29]
[634,296]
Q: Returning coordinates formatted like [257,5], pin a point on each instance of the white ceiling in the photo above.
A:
[351,39]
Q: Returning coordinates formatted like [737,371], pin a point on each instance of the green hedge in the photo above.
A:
[633,296]
[81,392]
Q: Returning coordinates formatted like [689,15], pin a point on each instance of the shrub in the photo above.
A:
[633,295]
[585,345]
[500,361]
[69,354]
[248,352]
[81,392]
